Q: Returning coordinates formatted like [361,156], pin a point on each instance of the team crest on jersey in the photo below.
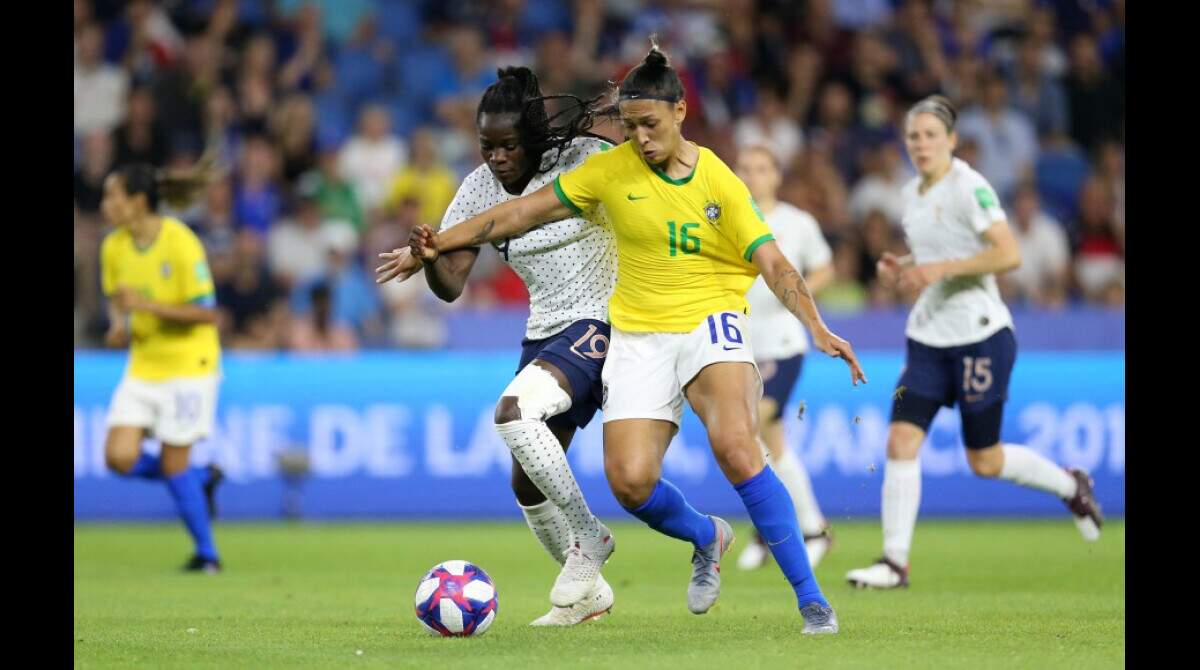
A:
[713,212]
[166,270]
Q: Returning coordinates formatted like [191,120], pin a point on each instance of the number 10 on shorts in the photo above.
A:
[728,329]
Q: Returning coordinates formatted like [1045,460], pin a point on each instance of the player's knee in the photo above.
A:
[737,452]
[986,462]
[533,394]
[630,487]
[119,462]
[175,460]
[507,410]
[904,442]
[118,456]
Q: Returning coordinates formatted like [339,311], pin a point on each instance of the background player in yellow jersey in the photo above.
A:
[162,302]
[690,242]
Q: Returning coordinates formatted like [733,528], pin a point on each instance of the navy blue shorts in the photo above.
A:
[779,380]
[973,376]
[579,351]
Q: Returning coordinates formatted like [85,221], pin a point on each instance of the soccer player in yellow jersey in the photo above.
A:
[162,302]
[690,242]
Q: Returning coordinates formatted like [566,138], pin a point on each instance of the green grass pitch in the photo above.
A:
[985,594]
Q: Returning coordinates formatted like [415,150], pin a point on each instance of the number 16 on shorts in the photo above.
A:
[725,332]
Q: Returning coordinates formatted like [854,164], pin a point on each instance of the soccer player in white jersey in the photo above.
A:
[780,344]
[961,347]
[569,267]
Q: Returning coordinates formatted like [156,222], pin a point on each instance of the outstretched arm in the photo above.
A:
[507,219]
[788,285]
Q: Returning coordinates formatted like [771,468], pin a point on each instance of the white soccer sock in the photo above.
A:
[795,479]
[542,458]
[549,526]
[901,499]
[1027,467]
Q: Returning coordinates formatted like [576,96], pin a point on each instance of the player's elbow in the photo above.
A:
[1012,259]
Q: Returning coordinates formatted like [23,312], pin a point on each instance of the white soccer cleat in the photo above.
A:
[596,604]
[884,574]
[580,572]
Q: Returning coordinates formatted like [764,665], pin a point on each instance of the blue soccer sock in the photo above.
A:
[148,466]
[187,488]
[774,516]
[669,513]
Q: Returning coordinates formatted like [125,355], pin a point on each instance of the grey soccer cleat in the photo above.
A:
[818,619]
[706,569]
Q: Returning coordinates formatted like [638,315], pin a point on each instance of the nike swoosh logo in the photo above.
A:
[772,544]
[637,197]
[731,348]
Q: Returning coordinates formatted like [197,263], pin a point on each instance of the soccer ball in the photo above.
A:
[456,599]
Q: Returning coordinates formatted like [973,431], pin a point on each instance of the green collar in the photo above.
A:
[678,182]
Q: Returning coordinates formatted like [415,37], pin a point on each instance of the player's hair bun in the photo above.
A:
[523,76]
[656,59]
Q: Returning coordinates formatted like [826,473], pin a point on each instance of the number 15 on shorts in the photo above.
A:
[726,333]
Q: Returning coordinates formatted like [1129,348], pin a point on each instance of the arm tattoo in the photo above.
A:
[482,236]
[789,287]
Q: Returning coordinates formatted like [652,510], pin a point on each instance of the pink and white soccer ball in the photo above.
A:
[456,599]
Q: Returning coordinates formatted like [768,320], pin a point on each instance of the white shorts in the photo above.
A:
[177,411]
[645,373]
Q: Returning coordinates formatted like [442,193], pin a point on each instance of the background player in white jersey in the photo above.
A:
[960,341]
[569,267]
[780,344]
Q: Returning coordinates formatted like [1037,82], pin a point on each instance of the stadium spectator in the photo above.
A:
[336,195]
[372,157]
[216,224]
[1100,249]
[319,96]
[248,294]
[294,129]
[1110,169]
[1038,95]
[141,138]
[426,179]
[1097,104]
[295,247]
[258,199]
[100,88]
[845,294]
[838,130]
[879,189]
[180,92]
[1043,277]
[770,126]
[1007,142]
[354,299]
[319,329]
[89,178]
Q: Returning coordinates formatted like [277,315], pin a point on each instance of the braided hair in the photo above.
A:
[517,92]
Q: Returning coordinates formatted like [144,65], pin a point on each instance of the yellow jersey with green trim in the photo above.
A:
[683,245]
[171,270]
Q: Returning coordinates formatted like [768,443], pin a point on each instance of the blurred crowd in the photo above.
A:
[343,123]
